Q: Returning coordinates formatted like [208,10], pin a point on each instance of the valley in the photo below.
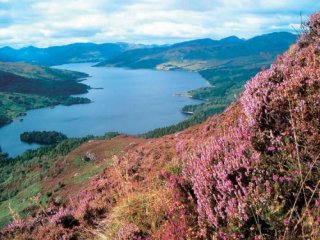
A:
[119,97]
[159,120]
[225,64]
[157,96]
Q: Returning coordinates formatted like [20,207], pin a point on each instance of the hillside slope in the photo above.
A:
[24,87]
[251,172]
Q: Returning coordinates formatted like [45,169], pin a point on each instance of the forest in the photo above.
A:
[44,137]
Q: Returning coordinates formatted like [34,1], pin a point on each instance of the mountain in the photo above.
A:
[251,172]
[187,55]
[226,64]
[73,53]
[206,53]
[24,86]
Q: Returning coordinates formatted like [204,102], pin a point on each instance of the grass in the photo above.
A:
[42,176]
[23,180]
[23,204]
[86,171]
[14,104]
[28,199]
[146,210]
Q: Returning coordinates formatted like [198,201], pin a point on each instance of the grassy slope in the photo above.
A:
[24,87]
[53,174]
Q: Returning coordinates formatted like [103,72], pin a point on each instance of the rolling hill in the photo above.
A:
[24,87]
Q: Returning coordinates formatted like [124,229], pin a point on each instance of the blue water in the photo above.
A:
[131,101]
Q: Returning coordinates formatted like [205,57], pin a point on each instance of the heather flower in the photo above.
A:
[180,146]
[281,179]
[314,24]
[226,173]
[219,172]
[286,222]
[16,224]
[128,232]
[271,149]
[288,179]
[296,172]
[310,165]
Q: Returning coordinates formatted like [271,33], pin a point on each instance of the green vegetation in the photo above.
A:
[226,85]
[13,105]
[202,54]
[201,113]
[24,87]
[24,180]
[45,138]
[226,64]
[38,72]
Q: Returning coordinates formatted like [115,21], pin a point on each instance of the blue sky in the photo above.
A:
[56,22]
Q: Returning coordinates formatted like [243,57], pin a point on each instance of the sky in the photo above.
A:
[57,22]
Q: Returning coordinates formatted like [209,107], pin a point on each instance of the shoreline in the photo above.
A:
[25,113]
[187,114]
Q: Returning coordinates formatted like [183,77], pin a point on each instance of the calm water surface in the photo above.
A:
[131,101]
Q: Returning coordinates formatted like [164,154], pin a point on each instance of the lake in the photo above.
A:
[130,101]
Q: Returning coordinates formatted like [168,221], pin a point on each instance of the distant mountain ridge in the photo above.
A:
[202,54]
[209,41]
[72,53]
[226,64]
[168,56]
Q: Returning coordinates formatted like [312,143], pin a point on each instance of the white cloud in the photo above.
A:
[55,22]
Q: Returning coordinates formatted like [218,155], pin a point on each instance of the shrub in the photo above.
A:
[260,177]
